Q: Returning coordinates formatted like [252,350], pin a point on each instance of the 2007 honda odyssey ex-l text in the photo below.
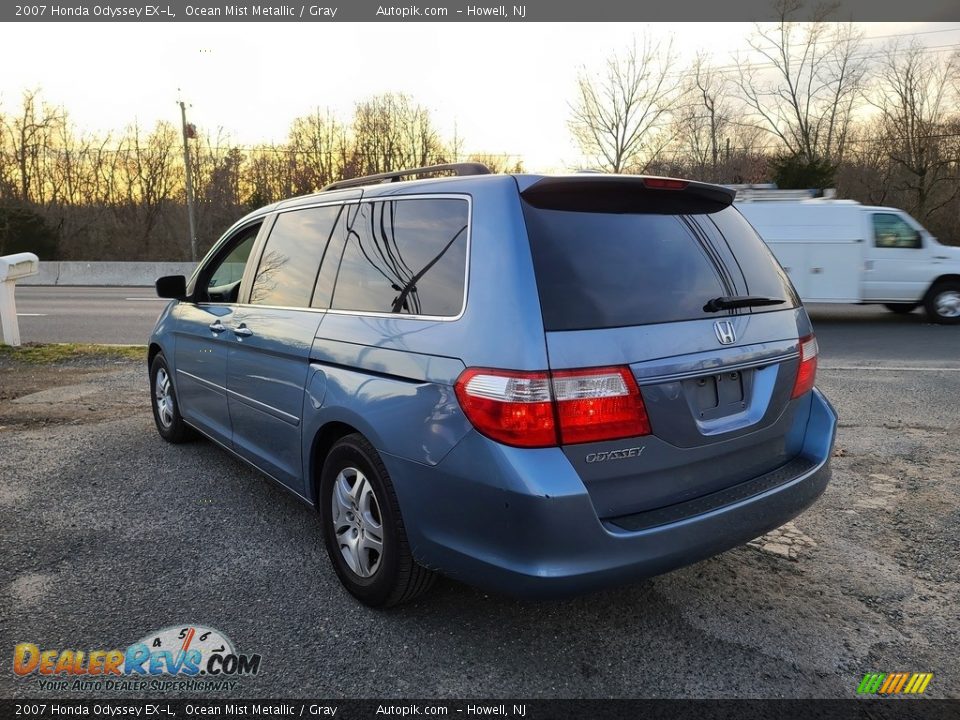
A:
[535,384]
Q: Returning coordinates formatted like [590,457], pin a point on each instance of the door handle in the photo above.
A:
[243,331]
[216,327]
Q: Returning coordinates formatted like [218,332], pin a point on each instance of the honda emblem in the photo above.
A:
[725,332]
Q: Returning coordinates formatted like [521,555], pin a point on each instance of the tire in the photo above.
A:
[166,408]
[943,303]
[359,505]
[901,308]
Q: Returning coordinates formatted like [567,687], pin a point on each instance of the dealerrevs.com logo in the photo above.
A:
[197,657]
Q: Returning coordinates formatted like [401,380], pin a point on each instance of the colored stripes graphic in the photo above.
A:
[894,683]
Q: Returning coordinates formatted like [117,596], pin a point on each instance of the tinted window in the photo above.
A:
[331,258]
[291,258]
[405,256]
[892,231]
[762,273]
[224,274]
[597,270]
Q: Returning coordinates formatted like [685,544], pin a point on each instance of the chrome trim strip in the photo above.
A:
[256,404]
[205,383]
[419,196]
[400,316]
[325,203]
[686,374]
[268,409]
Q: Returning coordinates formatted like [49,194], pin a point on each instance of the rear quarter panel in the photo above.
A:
[391,377]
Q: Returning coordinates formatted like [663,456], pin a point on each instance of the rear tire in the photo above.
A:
[901,308]
[363,530]
[943,303]
[166,408]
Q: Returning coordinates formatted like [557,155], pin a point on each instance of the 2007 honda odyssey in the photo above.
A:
[535,384]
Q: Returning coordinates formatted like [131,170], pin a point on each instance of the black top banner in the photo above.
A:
[440,11]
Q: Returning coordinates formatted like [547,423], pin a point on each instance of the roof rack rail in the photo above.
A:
[459,169]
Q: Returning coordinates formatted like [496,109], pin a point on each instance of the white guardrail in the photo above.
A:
[106,274]
[13,268]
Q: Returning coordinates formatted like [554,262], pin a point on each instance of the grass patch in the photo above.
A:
[50,353]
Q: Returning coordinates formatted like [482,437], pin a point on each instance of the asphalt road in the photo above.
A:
[81,314]
[846,333]
[108,533]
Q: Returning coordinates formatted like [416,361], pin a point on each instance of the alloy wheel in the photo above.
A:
[357,522]
[163,395]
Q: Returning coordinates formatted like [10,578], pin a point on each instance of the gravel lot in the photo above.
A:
[108,533]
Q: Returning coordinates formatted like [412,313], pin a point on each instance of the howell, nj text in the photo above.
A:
[500,11]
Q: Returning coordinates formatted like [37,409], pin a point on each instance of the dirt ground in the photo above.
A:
[68,386]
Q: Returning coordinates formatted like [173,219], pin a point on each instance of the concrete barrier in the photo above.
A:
[106,274]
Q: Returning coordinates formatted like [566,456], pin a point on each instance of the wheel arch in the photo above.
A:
[949,277]
[152,352]
[323,441]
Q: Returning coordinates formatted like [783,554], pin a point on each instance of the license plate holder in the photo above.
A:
[717,395]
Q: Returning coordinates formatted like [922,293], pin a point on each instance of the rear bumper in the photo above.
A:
[521,522]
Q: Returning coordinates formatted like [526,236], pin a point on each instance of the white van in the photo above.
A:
[839,251]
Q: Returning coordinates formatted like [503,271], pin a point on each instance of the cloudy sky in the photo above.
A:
[506,88]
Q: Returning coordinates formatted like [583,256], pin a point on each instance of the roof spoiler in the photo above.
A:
[627,194]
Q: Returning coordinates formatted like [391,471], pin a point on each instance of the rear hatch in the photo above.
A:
[653,275]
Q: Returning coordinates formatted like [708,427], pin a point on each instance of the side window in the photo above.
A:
[224,274]
[892,231]
[330,264]
[405,256]
[291,258]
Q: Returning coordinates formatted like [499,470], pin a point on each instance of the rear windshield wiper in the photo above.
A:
[730,302]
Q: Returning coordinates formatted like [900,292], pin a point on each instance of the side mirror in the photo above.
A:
[172,286]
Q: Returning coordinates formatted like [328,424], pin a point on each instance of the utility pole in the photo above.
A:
[189,132]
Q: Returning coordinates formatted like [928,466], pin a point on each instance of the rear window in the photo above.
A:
[602,270]
[761,271]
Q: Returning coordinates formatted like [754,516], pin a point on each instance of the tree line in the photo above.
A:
[67,194]
[813,108]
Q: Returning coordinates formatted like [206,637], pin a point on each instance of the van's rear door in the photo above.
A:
[626,273]
[819,243]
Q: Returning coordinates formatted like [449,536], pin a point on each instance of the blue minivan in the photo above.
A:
[535,384]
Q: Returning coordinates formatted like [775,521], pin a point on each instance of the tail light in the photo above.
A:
[543,409]
[807,370]
[513,408]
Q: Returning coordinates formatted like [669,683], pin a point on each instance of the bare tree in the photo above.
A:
[703,122]
[391,132]
[805,92]
[268,174]
[28,138]
[319,141]
[621,116]
[866,172]
[217,183]
[916,95]
[149,178]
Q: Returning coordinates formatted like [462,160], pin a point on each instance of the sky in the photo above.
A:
[504,88]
